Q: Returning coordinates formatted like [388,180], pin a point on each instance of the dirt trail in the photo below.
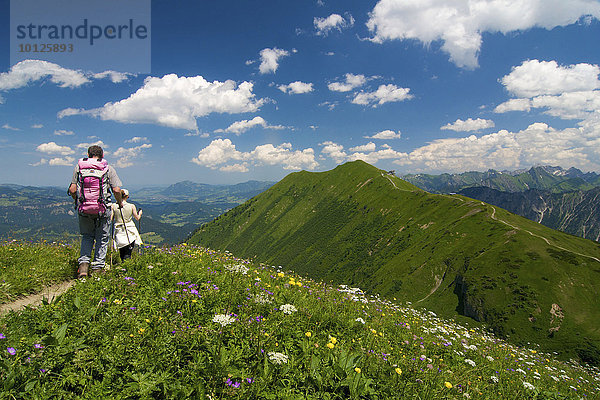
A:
[493,216]
[34,300]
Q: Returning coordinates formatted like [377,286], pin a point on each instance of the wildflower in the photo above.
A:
[147,320]
[277,358]
[528,386]
[223,319]
[280,274]
[470,362]
[141,330]
[308,334]
[117,301]
[448,385]
[357,370]
[238,268]
[288,309]
[38,346]
[489,358]
[494,379]
[398,371]
[330,345]
[359,319]
[2,336]
[332,339]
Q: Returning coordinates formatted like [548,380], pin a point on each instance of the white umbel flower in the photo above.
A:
[237,268]
[277,358]
[223,319]
[288,309]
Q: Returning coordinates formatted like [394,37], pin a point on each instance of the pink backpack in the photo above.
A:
[91,183]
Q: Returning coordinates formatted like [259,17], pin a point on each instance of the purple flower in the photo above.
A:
[38,346]
[12,351]
[2,336]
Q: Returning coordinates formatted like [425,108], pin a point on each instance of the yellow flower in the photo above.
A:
[448,385]
[330,345]
[117,301]
[142,330]
[298,283]
[308,334]
[131,335]
[398,371]
[332,339]
[147,320]
[280,274]
[357,370]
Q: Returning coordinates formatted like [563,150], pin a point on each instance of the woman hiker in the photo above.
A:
[126,234]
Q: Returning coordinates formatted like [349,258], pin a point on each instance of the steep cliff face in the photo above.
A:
[574,212]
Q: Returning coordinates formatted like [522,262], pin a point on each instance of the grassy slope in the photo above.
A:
[354,225]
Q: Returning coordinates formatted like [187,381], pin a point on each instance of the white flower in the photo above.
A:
[223,319]
[359,319]
[237,268]
[494,379]
[288,309]
[261,298]
[528,386]
[489,358]
[521,371]
[470,362]
[277,358]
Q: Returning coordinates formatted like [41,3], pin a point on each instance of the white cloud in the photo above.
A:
[137,139]
[469,125]
[63,132]
[242,126]
[535,78]
[37,126]
[222,151]
[351,82]
[2,100]
[365,147]
[124,156]
[386,135]
[176,102]
[234,168]
[10,128]
[459,24]
[568,92]
[29,71]
[62,161]
[334,21]
[383,94]
[269,59]
[334,150]
[296,88]
[53,148]
[537,144]
[43,161]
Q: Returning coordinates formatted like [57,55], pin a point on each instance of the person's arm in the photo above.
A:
[73,190]
[135,213]
[117,192]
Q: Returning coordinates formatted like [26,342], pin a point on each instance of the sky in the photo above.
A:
[239,90]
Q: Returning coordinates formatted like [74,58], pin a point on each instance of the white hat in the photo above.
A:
[125,192]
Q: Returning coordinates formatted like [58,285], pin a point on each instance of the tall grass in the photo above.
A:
[187,322]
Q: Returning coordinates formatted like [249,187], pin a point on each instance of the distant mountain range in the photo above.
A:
[554,179]
[170,214]
[360,226]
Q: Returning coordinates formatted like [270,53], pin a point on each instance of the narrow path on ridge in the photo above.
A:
[493,216]
[49,293]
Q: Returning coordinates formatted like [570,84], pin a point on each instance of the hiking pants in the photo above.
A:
[94,230]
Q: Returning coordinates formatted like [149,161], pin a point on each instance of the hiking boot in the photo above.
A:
[83,270]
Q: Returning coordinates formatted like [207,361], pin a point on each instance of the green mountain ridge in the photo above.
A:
[359,225]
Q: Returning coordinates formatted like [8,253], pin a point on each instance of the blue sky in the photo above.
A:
[256,90]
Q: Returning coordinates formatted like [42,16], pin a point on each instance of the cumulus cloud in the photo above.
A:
[10,128]
[537,144]
[365,147]
[137,139]
[63,132]
[351,82]
[296,88]
[568,92]
[124,156]
[469,125]
[37,126]
[53,148]
[29,71]
[334,150]
[269,59]
[335,21]
[242,126]
[223,151]
[367,152]
[62,161]
[385,135]
[459,24]
[383,94]
[176,102]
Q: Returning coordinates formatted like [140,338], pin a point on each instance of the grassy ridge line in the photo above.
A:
[352,225]
[192,323]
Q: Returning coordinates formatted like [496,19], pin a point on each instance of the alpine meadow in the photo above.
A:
[361,226]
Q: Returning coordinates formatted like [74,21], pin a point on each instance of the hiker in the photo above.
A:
[93,180]
[126,234]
